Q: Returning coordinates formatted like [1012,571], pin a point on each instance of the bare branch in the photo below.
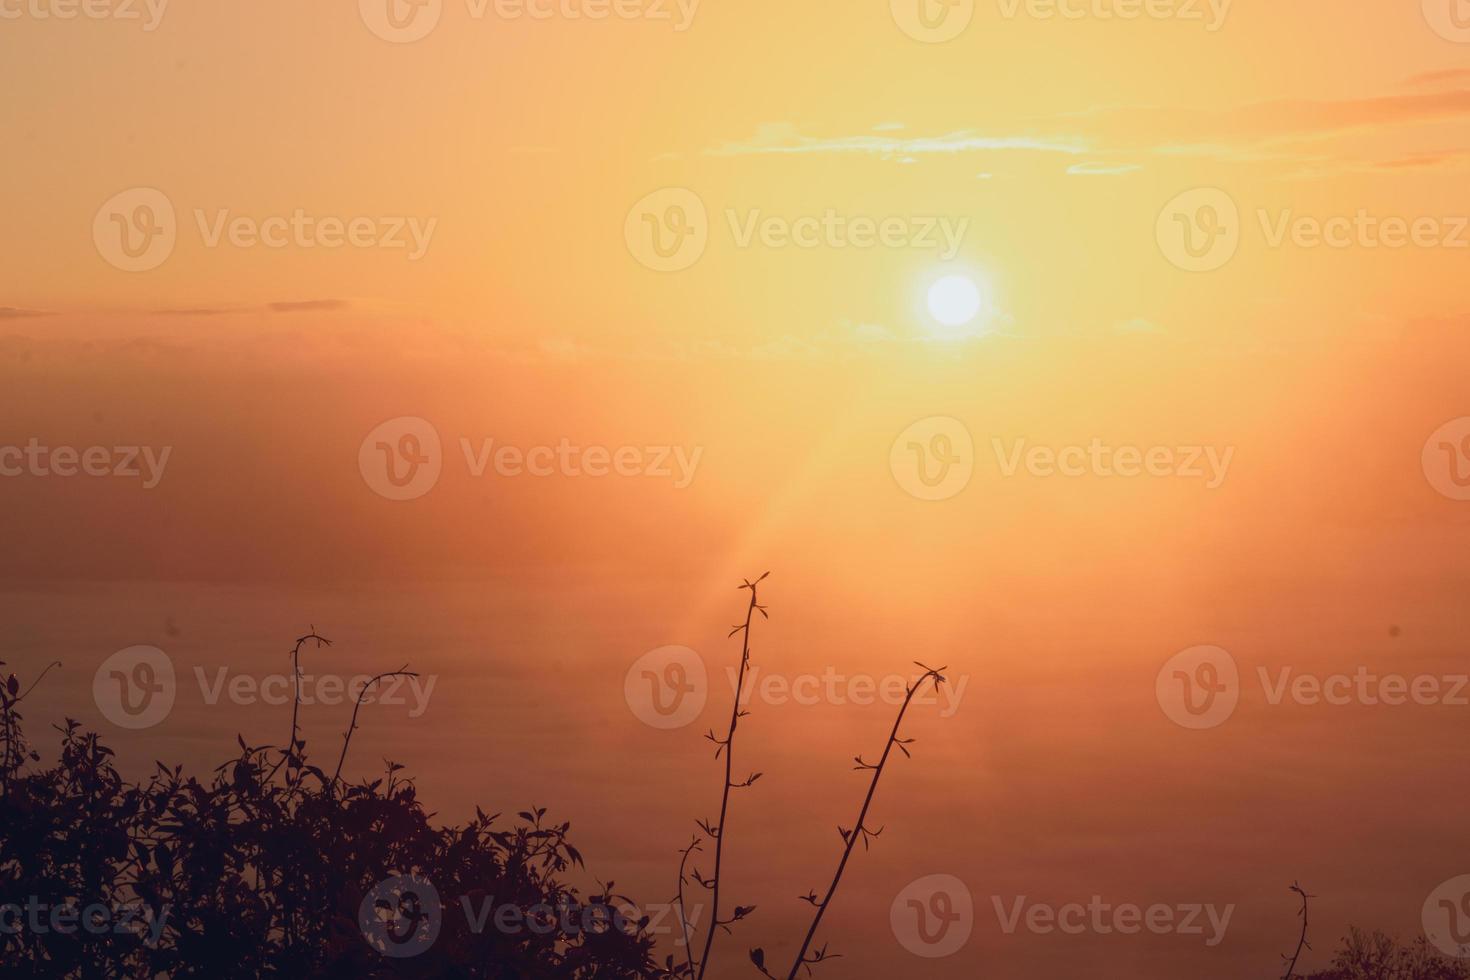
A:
[1302,942]
[347,736]
[851,837]
[727,745]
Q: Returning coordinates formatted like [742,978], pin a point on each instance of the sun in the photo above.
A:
[956,302]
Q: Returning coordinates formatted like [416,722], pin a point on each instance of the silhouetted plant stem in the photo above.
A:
[1302,942]
[683,909]
[347,736]
[9,698]
[860,830]
[727,745]
[301,641]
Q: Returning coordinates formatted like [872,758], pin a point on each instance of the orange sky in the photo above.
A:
[510,157]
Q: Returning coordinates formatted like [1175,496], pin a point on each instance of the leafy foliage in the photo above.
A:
[247,874]
[1375,956]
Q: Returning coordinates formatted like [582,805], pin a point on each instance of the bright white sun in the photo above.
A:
[955,300]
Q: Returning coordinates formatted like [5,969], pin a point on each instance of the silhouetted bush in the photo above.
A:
[1375,956]
[251,873]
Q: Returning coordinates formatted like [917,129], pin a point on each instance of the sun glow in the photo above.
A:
[958,307]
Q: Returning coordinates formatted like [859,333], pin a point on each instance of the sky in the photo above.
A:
[1047,342]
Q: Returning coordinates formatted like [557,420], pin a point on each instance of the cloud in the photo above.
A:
[1270,122]
[1098,168]
[311,306]
[1291,132]
[200,311]
[783,138]
[1433,79]
[280,306]
[12,313]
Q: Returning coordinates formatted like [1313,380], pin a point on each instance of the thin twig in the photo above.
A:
[1302,942]
[54,663]
[321,641]
[347,736]
[11,731]
[683,910]
[860,829]
[727,745]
